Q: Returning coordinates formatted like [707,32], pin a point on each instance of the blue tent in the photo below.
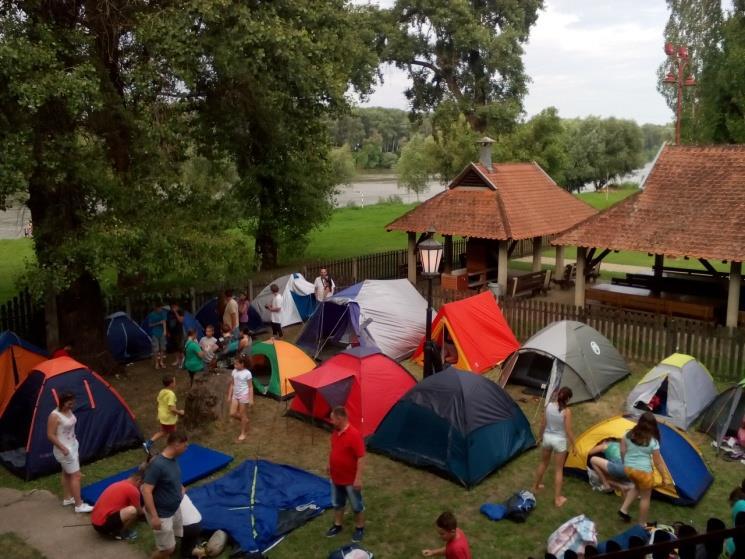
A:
[126,339]
[207,316]
[105,423]
[460,424]
[259,502]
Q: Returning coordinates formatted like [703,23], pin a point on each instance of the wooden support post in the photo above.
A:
[579,282]
[659,261]
[733,295]
[559,263]
[411,258]
[128,306]
[502,263]
[354,270]
[448,254]
[193,297]
[250,290]
[537,254]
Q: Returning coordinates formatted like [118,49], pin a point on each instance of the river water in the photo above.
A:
[365,190]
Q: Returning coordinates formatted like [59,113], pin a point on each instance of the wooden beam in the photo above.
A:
[590,255]
[502,263]
[709,267]
[536,267]
[733,294]
[411,258]
[448,253]
[511,248]
[659,264]
[579,282]
[599,258]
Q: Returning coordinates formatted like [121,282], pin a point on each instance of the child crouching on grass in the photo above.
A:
[456,543]
[240,393]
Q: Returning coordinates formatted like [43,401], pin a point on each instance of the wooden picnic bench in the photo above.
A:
[533,283]
[569,277]
[641,299]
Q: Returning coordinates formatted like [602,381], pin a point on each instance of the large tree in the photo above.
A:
[465,51]
[270,75]
[697,25]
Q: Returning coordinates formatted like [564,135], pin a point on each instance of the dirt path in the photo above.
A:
[40,520]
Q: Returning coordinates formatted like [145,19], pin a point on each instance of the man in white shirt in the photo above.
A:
[230,316]
[323,286]
[275,308]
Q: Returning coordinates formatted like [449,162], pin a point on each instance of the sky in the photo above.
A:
[585,57]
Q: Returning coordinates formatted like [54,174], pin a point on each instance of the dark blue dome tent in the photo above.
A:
[126,339]
[460,424]
[105,423]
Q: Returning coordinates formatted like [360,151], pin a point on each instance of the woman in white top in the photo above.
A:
[61,433]
[557,435]
[240,393]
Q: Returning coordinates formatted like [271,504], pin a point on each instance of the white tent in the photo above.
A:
[388,314]
[298,300]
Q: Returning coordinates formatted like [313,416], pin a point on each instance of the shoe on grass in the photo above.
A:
[333,531]
[83,507]
[359,534]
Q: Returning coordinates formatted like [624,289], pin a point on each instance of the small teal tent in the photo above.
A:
[126,339]
[460,424]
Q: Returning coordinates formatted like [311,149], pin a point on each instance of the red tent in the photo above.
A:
[472,333]
[363,380]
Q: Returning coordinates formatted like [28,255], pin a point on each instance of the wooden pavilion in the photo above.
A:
[494,207]
[692,206]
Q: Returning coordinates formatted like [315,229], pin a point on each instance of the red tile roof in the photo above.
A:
[693,204]
[512,201]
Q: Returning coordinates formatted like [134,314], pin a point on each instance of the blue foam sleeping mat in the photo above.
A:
[196,463]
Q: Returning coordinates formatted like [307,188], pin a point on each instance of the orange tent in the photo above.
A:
[17,359]
[472,334]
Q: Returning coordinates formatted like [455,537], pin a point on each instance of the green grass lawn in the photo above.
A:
[402,501]
[13,546]
[602,200]
[13,256]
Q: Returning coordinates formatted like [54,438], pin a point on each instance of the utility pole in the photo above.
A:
[679,59]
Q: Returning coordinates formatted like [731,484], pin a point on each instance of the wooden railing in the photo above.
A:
[639,336]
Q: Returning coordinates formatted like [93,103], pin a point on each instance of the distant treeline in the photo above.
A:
[573,151]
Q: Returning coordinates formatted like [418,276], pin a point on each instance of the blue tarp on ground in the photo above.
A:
[126,339]
[196,463]
[259,502]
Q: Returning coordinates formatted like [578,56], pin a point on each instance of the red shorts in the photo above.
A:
[168,428]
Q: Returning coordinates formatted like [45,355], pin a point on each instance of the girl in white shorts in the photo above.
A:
[557,435]
[240,393]
[61,433]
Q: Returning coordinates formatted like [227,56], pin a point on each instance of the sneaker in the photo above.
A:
[128,536]
[359,534]
[147,445]
[68,502]
[333,531]
[83,507]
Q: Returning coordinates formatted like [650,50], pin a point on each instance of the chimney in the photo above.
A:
[485,151]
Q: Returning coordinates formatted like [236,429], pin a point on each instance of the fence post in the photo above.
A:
[193,295]
[51,320]
[251,289]
[354,270]
[128,306]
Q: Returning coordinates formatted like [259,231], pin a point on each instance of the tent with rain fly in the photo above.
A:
[207,315]
[17,359]
[126,339]
[691,476]
[677,390]
[461,425]
[472,334]
[387,314]
[363,380]
[724,415]
[298,299]
[259,502]
[566,353]
[273,363]
[105,423]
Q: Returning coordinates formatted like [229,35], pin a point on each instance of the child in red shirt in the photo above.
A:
[456,543]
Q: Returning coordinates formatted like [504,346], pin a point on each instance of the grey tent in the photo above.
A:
[677,390]
[724,415]
[566,353]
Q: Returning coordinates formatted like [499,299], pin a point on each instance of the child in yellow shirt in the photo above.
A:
[168,413]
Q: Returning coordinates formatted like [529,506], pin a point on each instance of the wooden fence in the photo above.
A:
[25,316]
[638,336]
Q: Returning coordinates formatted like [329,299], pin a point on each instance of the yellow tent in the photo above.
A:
[683,459]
